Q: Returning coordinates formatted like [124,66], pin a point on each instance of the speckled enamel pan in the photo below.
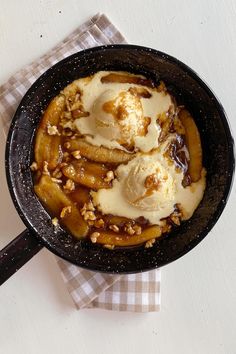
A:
[218,151]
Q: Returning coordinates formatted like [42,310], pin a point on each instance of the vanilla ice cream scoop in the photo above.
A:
[119,116]
[149,186]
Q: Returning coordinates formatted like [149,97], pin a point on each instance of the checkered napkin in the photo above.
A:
[132,292]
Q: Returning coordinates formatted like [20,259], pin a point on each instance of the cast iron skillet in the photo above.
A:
[217,144]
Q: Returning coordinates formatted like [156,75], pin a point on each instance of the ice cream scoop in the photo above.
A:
[149,186]
[119,116]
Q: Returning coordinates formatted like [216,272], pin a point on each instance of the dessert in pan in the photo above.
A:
[117,160]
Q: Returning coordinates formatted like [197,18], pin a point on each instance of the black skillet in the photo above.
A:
[217,144]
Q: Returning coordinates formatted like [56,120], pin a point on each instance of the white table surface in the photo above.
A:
[199,290]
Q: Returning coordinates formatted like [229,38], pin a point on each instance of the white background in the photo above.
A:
[199,290]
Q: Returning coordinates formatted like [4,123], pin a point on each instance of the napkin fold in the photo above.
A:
[132,292]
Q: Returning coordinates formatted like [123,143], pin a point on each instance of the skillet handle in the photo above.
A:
[18,252]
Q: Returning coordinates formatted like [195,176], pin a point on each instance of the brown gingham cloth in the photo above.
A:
[132,292]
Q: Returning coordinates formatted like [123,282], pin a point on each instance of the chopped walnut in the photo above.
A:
[56,180]
[55,222]
[83,210]
[34,166]
[137,229]
[151,181]
[87,208]
[66,210]
[129,229]
[175,219]
[150,243]
[76,154]
[94,236]
[109,176]
[114,228]
[57,173]
[89,215]
[110,247]
[99,223]
[162,87]
[166,228]
[69,186]
[90,206]
[45,168]
[52,130]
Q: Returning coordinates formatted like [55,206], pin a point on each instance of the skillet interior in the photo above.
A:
[188,90]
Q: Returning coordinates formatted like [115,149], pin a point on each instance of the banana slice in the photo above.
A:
[193,143]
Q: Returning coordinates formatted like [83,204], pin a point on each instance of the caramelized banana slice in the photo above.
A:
[47,147]
[100,153]
[89,174]
[116,220]
[52,196]
[80,196]
[193,143]
[117,239]
[126,79]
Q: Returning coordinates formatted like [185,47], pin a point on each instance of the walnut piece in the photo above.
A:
[55,222]
[150,243]
[175,219]
[52,130]
[90,206]
[99,223]
[133,229]
[65,211]
[166,228]
[56,180]
[76,154]
[109,176]
[94,237]
[87,207]
[45,168]
[114,228]
[110,247]
[57,173]
[89,215]
[137,229]
[129,229]
[69,186]
[34,166]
